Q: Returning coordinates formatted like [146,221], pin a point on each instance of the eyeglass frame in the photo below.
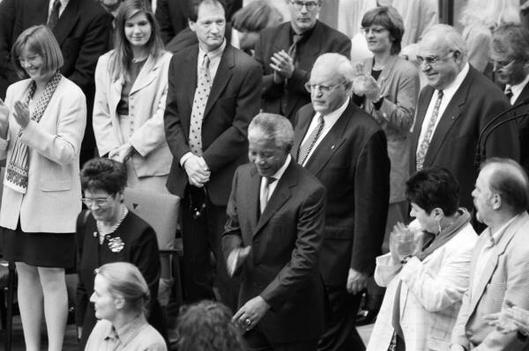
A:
[434,59]
[309,5]
[501,65]
[323,88]
[98,201]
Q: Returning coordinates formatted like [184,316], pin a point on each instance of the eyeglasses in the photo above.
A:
[497,65]
[325,89]
[310,5]
[432,60]
[98,201]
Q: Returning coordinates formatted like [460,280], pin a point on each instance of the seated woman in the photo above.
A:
[109,232]
[426,278]
[120,297]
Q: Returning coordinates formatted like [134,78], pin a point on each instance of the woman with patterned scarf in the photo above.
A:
[42,123]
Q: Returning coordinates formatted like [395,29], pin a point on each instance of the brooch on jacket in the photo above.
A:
[116,244]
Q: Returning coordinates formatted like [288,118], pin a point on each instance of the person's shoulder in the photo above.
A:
[150,339]
[405,67]
[271,32]
[71,89]
[90,9]
[331,33]
[483,85]
[242,58]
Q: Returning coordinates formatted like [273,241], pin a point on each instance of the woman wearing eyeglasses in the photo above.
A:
[387,87]
[131,88]
[41,128]
[109,232]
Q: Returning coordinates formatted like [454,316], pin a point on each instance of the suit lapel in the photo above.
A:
[223,76]
[524,95]
[449,117]
[147,74]
[280,195]
[67,21]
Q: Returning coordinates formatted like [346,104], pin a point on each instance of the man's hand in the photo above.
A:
[21,114]
[456,347]
[197,171]
[121,153]
[356,281]
[282,64]
[251,313]
[403,242]
[364,85]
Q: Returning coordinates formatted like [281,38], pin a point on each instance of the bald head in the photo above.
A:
[508,179]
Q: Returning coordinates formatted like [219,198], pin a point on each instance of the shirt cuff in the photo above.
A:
[184,158]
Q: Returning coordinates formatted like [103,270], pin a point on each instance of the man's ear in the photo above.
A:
[119,302]
[191,24]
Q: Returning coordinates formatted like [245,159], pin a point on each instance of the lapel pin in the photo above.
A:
[332,147]
[453,117]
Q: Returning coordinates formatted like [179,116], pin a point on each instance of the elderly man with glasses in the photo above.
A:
[346,150]
[287,53]
[454,109]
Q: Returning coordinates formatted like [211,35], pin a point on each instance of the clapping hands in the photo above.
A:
[510,319]
[403,242]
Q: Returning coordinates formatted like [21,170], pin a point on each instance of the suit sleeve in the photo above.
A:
[63,146]
[7,19]
[95,42]
[232,237]
[174,132]
[371,200]
[150,135]
[145,255]
[226,147]
[304,259]
[106,140]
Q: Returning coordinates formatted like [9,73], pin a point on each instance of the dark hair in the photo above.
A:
[434,188]
[41,41]
[196,4]
[104,174]
[514,37]
[255,16]
[389,18]
[121,59]
[126,280]
[207,326]
[509,180]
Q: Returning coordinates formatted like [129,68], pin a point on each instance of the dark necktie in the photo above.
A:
[308,145]
[508,94]
[54,14]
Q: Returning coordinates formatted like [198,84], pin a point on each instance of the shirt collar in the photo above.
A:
[279,173]
[127,332]
[451,89]
[64,3]
[517,88]
[339,111]
[495,237]
[217,53]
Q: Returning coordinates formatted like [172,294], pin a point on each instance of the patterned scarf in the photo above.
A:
[18,164]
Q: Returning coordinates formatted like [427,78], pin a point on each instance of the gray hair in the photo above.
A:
[449,37]
[273,127]
[340,64]
[514,37]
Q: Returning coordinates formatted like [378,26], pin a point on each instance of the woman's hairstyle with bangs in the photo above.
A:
[41,41]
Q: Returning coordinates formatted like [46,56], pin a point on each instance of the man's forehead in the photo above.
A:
[210,9]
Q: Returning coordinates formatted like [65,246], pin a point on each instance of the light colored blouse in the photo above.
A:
[138,335]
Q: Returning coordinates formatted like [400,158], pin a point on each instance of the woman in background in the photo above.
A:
[131,88]
[120,298]
[41,127]
[388,88]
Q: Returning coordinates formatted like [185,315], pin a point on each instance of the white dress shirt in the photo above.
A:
[330,120]
[448,94]
[517,89]
[64,3]
[277,176]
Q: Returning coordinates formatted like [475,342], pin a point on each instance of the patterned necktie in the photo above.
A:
[425,143]
[308,145]
[263,201]
[54,14]
[199,105]
[508,94]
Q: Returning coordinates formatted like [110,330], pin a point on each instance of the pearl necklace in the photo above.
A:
[103,232]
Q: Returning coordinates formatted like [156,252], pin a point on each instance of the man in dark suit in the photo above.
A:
[272,237]
[348,154]
[82,28]
[453,109]
[213,94]
[287,53]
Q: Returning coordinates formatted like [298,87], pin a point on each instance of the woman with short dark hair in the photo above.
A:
[41,128]
[109,232]
[427,269]
[120,298]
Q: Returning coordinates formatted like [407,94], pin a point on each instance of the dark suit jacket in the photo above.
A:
[232,103]
[141,249]
[352,163]
[285,241]
[83,32]
[455,139]
[321,40]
